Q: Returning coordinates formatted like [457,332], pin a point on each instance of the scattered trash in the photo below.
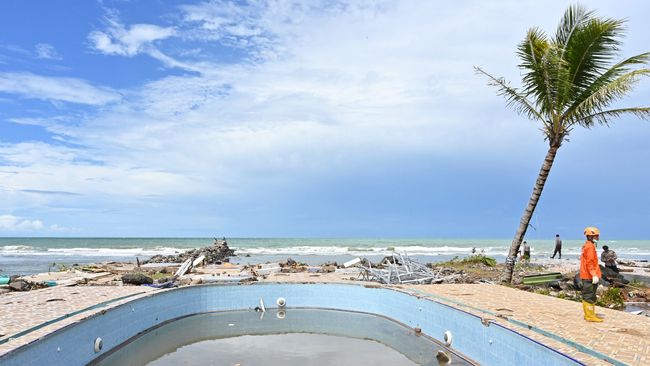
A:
[400,269]
[537,279]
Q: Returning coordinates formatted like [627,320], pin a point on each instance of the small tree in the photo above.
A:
[569,80]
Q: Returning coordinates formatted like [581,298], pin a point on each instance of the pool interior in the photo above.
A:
[280,337]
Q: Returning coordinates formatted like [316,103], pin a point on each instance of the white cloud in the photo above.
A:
[15,223]
[329,90]
[127,41]
[64,89]
[46,51]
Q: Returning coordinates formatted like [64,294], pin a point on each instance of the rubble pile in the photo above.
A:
[400,269]
[217,253]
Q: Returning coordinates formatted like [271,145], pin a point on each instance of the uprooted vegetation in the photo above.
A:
[477,268]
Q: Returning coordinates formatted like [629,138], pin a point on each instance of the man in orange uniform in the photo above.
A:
[590,274]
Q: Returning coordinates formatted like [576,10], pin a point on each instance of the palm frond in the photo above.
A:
[534,54]
[515,99]
[603,117]
[574,17]
[589,52]
[608,77]
[602,97]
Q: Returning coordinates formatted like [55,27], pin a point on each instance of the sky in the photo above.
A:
[297,119]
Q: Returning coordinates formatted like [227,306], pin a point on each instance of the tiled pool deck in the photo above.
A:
[623,337]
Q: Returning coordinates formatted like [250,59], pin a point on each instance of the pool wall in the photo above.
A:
[487,344]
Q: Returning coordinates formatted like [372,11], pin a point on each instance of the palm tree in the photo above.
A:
[569,80]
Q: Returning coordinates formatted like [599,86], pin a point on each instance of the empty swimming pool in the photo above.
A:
[100,334]
[280,337]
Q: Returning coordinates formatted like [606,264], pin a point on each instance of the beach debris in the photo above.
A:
[266,269]
[20,285]
[198,261]
[536,279]
[161,265]
[168,284]
[4,280]
[400,269]
[216,253]
[185,267]
[222,279]
[352,262]
[136,278]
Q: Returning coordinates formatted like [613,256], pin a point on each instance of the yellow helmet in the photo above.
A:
[592,231]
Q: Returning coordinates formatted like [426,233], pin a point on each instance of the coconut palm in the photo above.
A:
[569,80]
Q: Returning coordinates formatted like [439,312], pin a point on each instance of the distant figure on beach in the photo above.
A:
[526,255]
[558,247]
[609,258]
[220,242]
[590,274]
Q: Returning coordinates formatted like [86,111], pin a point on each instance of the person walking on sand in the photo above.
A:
[590,274]
[558,247]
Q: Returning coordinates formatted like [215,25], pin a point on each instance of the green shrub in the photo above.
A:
[543,291]
[479,259]
[611,298]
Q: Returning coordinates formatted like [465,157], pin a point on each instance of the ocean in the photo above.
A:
[35,255]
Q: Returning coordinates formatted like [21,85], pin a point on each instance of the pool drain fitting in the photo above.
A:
[281,302]
[448,338]
[98,344]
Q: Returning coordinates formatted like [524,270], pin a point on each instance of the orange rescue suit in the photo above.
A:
[589,262]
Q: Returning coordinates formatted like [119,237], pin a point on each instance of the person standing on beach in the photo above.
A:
[526,256]
[590,274]
[558,247]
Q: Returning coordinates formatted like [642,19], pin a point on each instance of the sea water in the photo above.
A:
[34,255]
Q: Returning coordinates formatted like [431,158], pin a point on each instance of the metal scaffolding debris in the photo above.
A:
[400,269]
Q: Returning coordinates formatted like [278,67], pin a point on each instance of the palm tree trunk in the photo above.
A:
[528,213]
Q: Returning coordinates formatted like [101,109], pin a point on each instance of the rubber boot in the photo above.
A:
[590,312]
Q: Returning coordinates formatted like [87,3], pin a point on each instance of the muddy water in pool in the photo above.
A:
[278,337]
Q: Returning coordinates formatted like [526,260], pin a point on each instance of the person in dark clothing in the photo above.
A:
[609,258]
[558,246]
[526,256]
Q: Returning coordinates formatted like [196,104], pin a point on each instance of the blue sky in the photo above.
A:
[310,119]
